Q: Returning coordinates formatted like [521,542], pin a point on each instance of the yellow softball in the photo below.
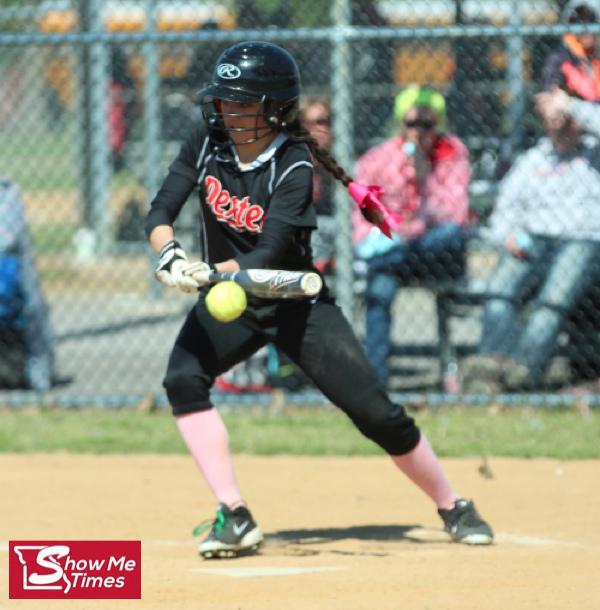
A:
[226,301]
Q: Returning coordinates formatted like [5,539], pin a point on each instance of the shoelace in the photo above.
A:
[468,516]
[218,523]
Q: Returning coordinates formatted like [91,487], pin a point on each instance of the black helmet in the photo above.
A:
[255,71]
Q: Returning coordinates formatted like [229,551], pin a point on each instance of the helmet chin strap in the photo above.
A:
[256,138]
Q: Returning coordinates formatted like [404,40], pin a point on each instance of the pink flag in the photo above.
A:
[367,198]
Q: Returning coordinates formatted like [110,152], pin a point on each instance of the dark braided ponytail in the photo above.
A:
[298,133]
[374,212]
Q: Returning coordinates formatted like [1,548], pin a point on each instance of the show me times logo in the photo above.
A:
[76,569]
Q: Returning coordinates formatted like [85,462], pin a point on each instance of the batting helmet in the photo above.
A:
[254,71]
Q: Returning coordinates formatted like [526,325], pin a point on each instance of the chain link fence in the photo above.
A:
[97,96]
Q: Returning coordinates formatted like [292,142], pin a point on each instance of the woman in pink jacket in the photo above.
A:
[425,175]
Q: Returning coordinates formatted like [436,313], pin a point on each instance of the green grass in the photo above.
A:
[561,434]
[40,160]
[52,237]
[48,160]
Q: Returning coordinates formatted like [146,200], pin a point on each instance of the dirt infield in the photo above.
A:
[342,533]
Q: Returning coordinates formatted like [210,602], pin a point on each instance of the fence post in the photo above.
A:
[343,139]
[516,86]
[94,236]
[151,124]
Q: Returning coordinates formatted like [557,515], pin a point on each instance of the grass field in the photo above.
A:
[40,160]
[561,434]
[47,160]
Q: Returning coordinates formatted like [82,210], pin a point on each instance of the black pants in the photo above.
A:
[316,336]
[13,359]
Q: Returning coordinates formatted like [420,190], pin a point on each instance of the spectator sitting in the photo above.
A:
[575,66]
[425,175]
[26,352]
[316,117]
[548,218]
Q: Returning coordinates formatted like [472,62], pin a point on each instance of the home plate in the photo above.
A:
[263,571]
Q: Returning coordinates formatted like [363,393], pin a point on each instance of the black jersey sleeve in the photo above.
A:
[177,186]
[275,241]
[291,201]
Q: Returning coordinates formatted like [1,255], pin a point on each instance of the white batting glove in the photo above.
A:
[199,272]
[172,263]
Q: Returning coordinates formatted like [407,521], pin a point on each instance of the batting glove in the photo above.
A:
[199,272]
[172,264]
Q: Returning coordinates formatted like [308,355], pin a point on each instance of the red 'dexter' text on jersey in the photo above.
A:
[239,214]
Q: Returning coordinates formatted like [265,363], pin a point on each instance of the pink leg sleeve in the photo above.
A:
[207,439]
[423,468]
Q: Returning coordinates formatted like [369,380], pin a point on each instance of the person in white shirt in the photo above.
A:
[548,219]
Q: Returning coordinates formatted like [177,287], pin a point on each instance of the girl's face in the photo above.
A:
[582,14]
[244,121]
[420,128]
[318,123]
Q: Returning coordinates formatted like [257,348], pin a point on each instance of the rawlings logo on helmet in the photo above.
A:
[228,71]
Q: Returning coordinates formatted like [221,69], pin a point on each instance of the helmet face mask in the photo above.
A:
[253,72]
[219,120]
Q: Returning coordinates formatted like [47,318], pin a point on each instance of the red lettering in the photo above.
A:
[238,213]
[253,219]
[221,204]
[239,206]
[213,189]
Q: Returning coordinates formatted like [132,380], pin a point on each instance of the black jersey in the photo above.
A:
[244,208]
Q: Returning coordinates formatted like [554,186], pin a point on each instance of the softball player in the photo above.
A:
[251,165]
